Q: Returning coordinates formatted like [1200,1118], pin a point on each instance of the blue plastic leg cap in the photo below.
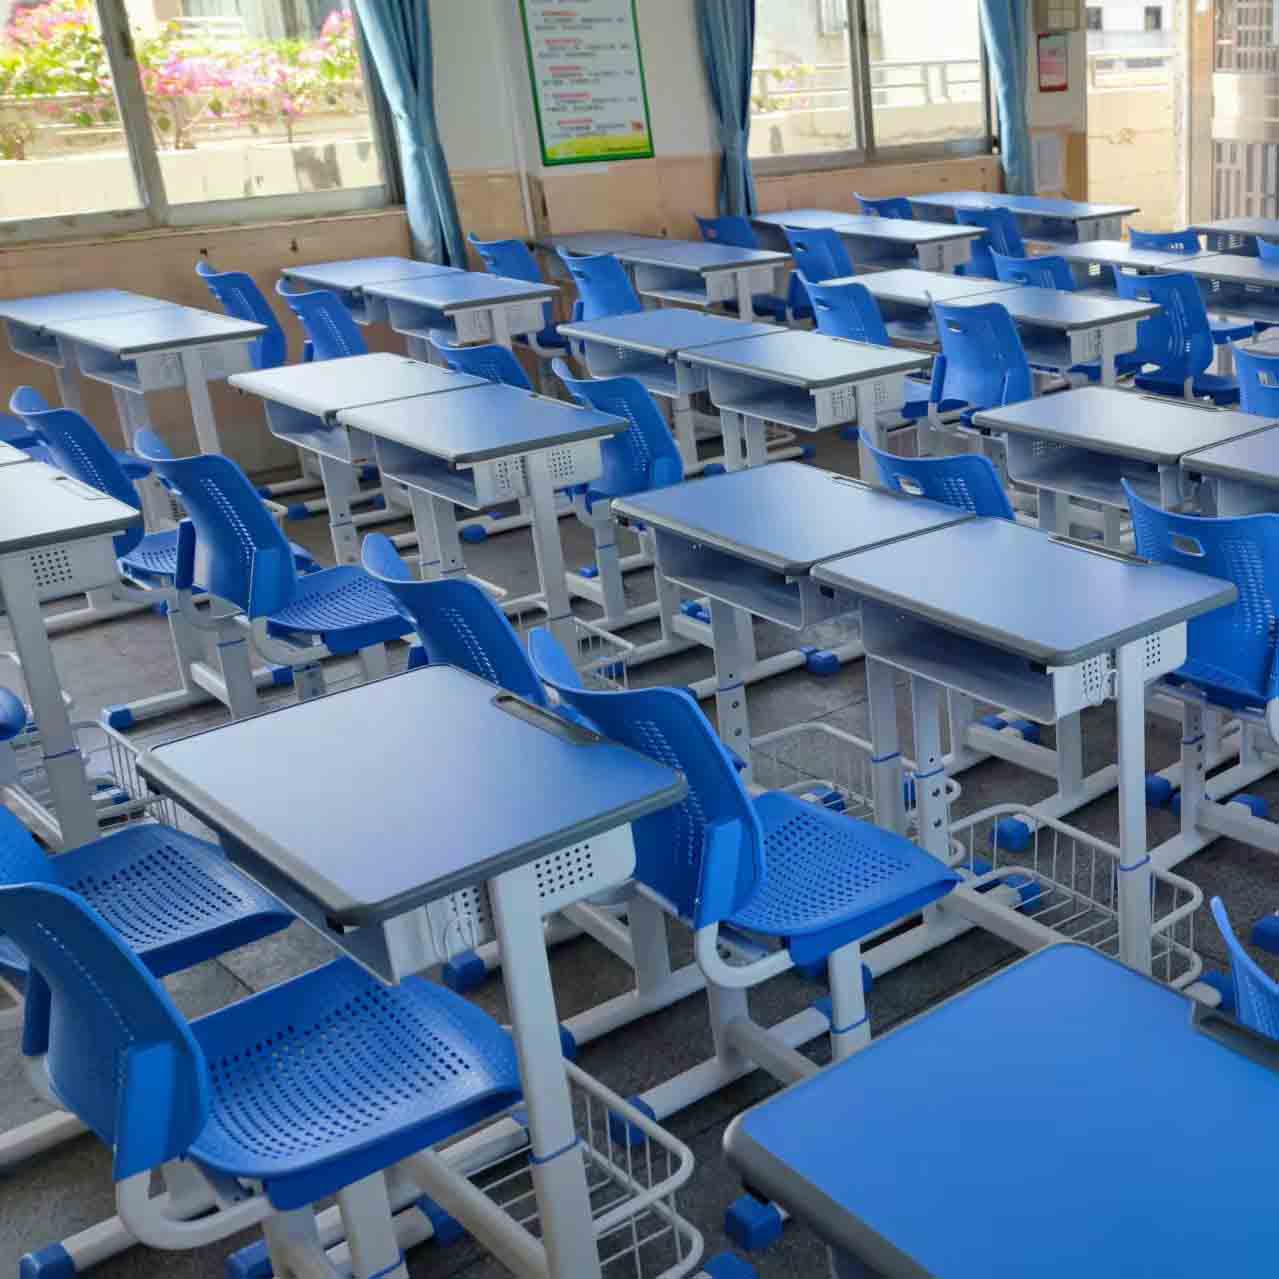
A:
[250,1262]
[625,1133]
[417,658]
[464,972]
[751,1224]
[1158,790]
[714,468]
[850,433]
[282,676]
[908,792]
[726,1265]
[378,503]
[117,717]
[696,610]
[821,662]
[1028,729]
[1012,835]
[1224,985]
[474,533]
[588,570]
[53,1262]
[161,609]
[1253,803]
[368,473]
[1265,934]
[446,1229]
[299,511]
[807,451]
[996,723]
[568,1044]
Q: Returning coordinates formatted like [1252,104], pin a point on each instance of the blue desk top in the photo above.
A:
[40,506]
[1036,596]
[881,1155]
[1266,228]
[1149,428]
[459,289]
[1058,309]
[485,422]
[161,328]
[805,359]
[807,219]
[664,331]
[458,789]
[50,310]
[325,387]
[1035,205]
[1251,458]
[1233,268]
[1122,254]
[913,287]
[353,274]
[787,516]
[697,255]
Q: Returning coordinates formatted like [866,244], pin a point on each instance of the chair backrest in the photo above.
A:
[819,254]
[1168,241]
[603,286]
[241,554]
[81,452]
[1177,337]
[705,855]
[847,310]
[1001,236]
[985,362]
[1268,250]
[119,1055]
[641,458]
[328,324]
[515,260]
[731,229]
[1256,993]
[967,480]
[1230,651]
[889,206]
[493,362]
[239,295]
[456,621]
[1047,272]
[1258,382]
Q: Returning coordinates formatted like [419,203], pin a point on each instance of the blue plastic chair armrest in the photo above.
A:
[37,1001]
[720,895]
[266,564]
[666,471]
[939,380]
[185,575]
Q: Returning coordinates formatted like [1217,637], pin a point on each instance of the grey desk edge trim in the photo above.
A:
[1018,644]
[574,332]
[767,257]
[129,350]
[56,537]
[904,362]
[384,288]
[1230,472]
[1132,311]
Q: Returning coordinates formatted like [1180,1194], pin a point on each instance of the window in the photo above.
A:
[844,79]
[138,113]
[1092,17]
[1154,17]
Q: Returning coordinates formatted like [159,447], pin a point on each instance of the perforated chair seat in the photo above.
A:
[1230,328]
[334,1076]
[832,879]
[156,558]
[175,899]
[344,607]
[1217,387]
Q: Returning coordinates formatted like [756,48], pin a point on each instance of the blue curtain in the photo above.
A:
[398,33]
[726,32]
[1004,25]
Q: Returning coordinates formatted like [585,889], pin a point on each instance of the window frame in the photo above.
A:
[155,213]
[862,112]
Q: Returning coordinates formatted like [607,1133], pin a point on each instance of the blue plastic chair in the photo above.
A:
[1001,236]
[735,230]
[1047,272]
[25,432]
[278,1101]
[239,295]
[230,543]
[1224,328]
[1256,993]
[603,287]
[1176,339]
[513,259]
[966,480]
[328,324]
[770,866]
[174,899]
[819,253]
[492,362]
[1258,382]
[849,310]
[1267,250]
[890,206]
[982,362]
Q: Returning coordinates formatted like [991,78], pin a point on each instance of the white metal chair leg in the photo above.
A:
[370,1232]
[373,662]
[849,1022]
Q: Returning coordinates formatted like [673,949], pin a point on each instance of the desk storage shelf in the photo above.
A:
[469,323]
[1067,880]
[35,343]
[160,370]
[317,434]
[655,373]
[800,409]
[1252,300]
[1079,473]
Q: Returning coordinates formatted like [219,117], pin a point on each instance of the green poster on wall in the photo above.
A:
[588,80]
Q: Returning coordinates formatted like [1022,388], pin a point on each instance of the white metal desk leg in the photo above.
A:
[886,757]
[67,376]
[1054,512]
[340,485]
[202,415]
[72,803]
[131,410]
[730,681]
[754,440]
[500,325]
[684,429]
[745,298]
[930,772]
[1135,908]
[559,1174]
[545,528]
[428,543]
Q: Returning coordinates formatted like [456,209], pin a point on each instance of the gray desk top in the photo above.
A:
[1057,309]
[664,331]
[869,226]
[1034,205]
[11,456]
[488,421]
[913,287]
[460,289]
[325,387]
[49,310]
[1266,228]
[1027,593]
[42,507]
[1234,268]
[437,825]
[787,516]
[807,219]
[1149,428]
[353,274]
[168,328]
[1122,254]
[697,255]
[592,242]
[810,360]
[1251,458]
[1266,343]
